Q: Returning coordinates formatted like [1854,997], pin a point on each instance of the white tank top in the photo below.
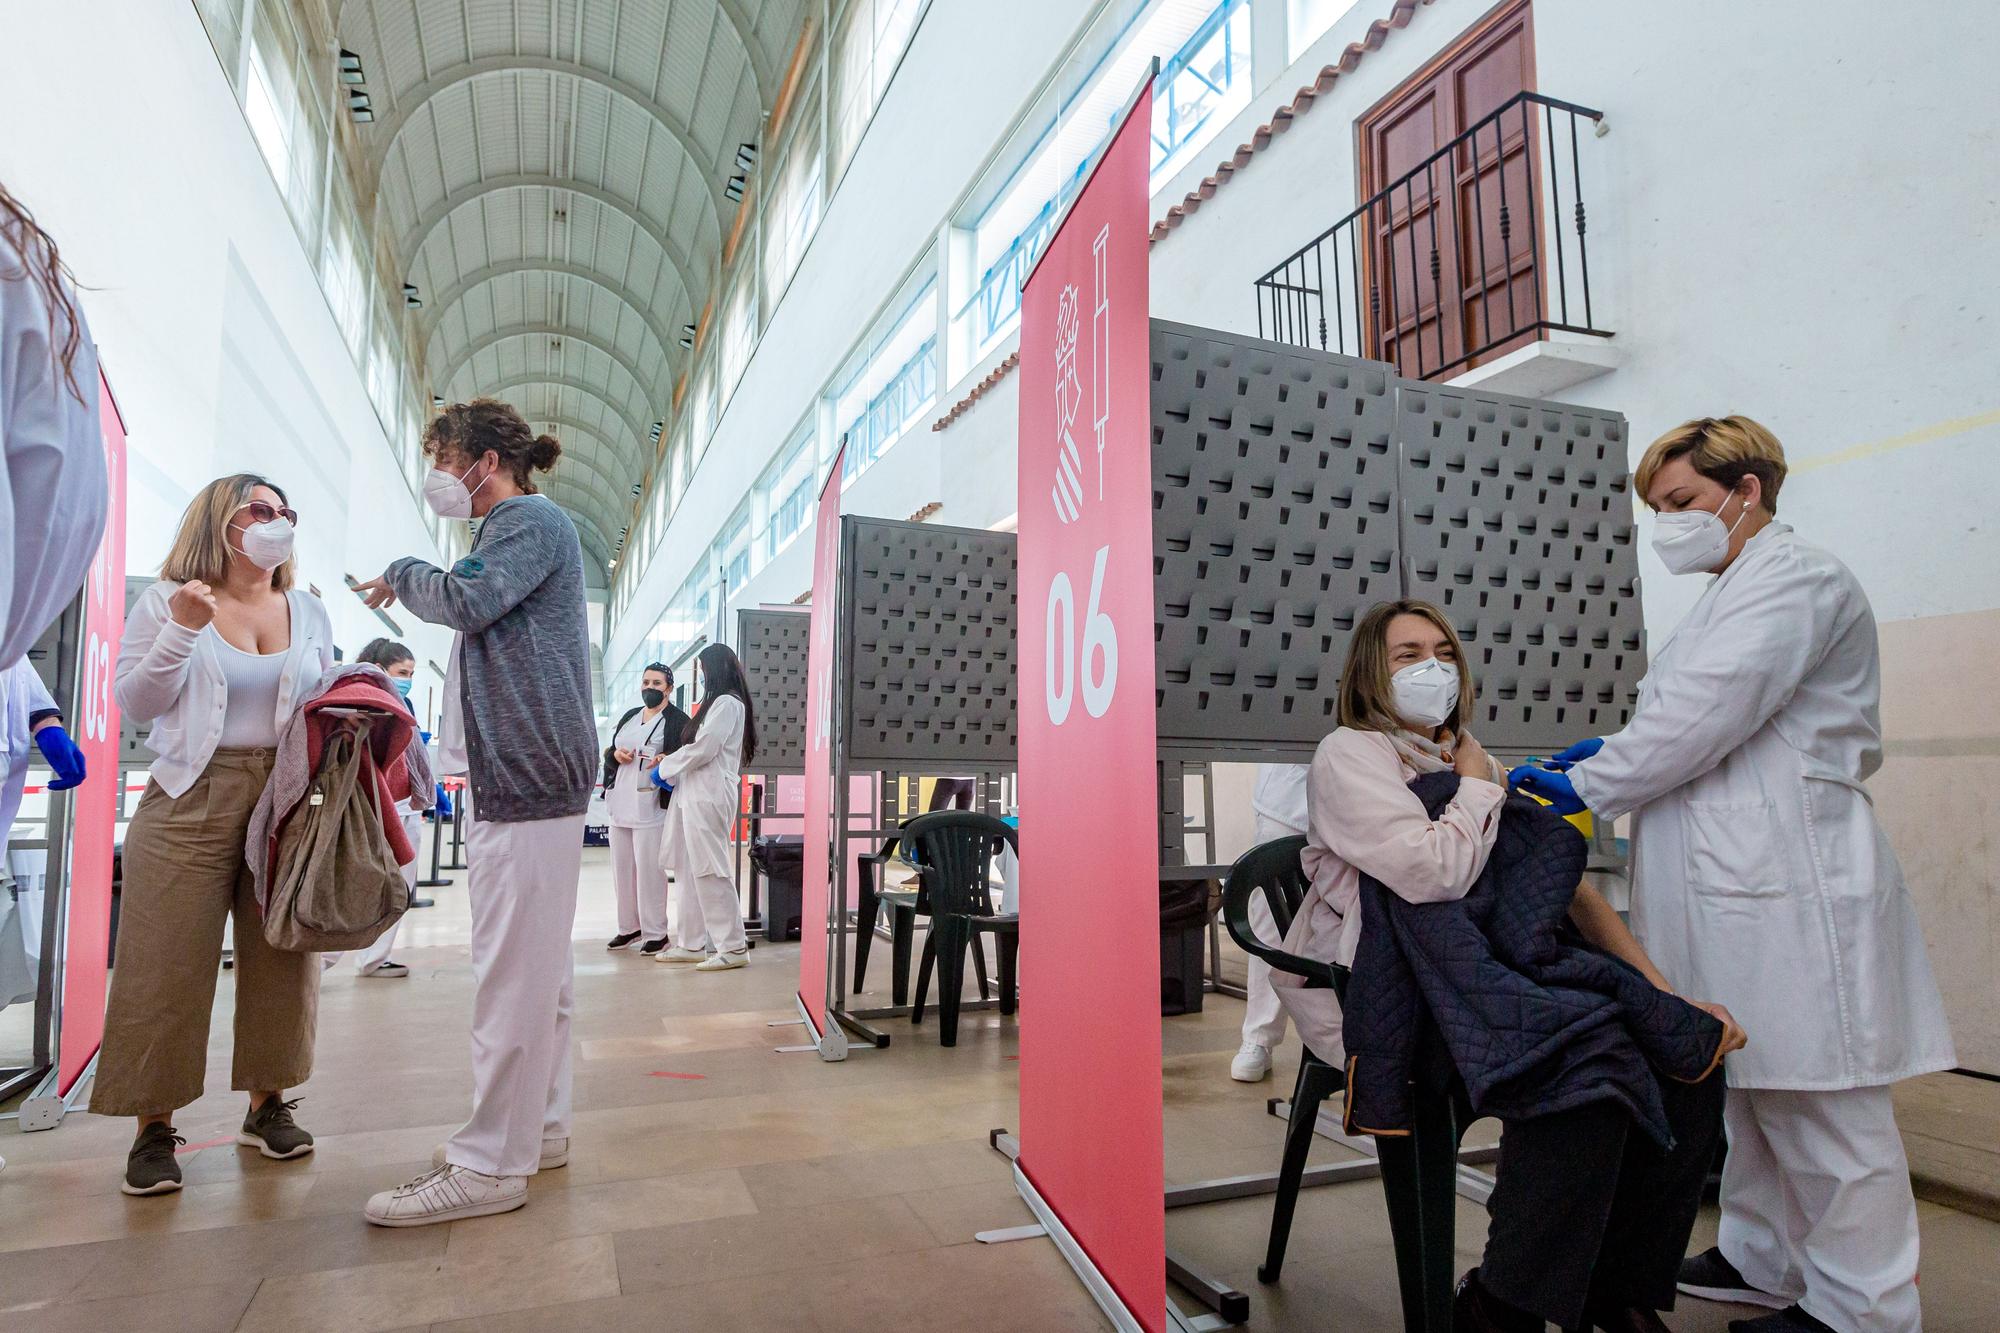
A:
[250,699]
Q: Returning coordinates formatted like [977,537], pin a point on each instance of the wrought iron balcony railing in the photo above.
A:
[1478,250]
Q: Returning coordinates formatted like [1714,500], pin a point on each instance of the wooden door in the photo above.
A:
[1450,268]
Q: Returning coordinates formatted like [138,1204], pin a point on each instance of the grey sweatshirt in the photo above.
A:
[525,661]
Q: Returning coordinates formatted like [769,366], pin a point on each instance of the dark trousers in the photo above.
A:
[952,793]
[1589,1211]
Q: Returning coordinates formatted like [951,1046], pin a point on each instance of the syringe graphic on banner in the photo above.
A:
[1100,348]
[1067,493]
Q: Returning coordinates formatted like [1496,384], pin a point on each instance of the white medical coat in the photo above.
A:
[21,694]
[52,492]
[1279,798]
[707,778]
[1761,878]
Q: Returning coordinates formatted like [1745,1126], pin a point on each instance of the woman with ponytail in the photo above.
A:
[705,774]
[520,684]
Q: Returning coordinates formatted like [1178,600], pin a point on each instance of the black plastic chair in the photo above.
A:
[954,851]
[1419,1170]
[904,907]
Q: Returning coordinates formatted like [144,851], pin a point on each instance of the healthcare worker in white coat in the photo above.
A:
[638,811]
[1762,878]
[1279,803]
[52,491]
[706,777]
[29,721]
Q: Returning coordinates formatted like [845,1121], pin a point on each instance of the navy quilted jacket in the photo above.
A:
[1534,1019]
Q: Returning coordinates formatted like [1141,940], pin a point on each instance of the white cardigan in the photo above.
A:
[168,675]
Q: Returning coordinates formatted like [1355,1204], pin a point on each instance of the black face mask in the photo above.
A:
[653,698]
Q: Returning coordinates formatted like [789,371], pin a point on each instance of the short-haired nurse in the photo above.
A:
[1761,879]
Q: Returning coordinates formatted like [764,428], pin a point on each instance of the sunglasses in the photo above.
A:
[264,513]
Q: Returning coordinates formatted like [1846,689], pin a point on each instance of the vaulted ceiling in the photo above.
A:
[553,173]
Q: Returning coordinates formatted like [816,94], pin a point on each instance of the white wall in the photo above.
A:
[124,137]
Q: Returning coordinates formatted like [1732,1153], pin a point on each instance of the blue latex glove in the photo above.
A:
[1576,754]
[1548,784]
[658,781]
[63,757]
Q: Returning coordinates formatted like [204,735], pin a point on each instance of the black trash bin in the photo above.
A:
[780,858]
[1183,924]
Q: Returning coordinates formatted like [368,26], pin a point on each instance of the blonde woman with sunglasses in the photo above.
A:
[216,656]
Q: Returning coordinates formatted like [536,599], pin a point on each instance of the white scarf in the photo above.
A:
[1421,754]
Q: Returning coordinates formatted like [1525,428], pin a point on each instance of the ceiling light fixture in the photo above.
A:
[411,297]
[360,107]
[746,156]
[350,68]
[733,191]
[437,401]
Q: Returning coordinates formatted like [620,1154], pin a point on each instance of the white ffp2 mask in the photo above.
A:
[1425,692]
[447,495]
[1694,541]
[268,545]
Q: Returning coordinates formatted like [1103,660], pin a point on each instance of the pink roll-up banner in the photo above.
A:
[815,895]
[86,951]
[1090,1140]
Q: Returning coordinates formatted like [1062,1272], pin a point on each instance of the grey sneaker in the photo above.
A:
[151,1167]
[271,1130]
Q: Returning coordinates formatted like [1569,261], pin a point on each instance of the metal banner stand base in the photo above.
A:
[1228,1307]
[830,1045]
[43,1109]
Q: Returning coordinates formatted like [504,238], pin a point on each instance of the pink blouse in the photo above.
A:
[1365,820]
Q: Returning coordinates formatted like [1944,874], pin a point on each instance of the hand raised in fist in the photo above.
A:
[192,605]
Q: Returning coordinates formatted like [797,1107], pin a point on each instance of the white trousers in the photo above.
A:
[641,883]
[378,952]
[1264,1020]
[708,916]
[1816,1205]
[521,882]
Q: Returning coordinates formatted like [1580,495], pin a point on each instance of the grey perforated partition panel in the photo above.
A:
[1517,520]
[772,645]
[927,639]
[1274,526]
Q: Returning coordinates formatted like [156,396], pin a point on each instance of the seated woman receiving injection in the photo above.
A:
[1590,1217]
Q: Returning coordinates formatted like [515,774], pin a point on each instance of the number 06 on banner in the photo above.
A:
[1099,666]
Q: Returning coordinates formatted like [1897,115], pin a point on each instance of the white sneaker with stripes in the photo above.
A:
[446,1194]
